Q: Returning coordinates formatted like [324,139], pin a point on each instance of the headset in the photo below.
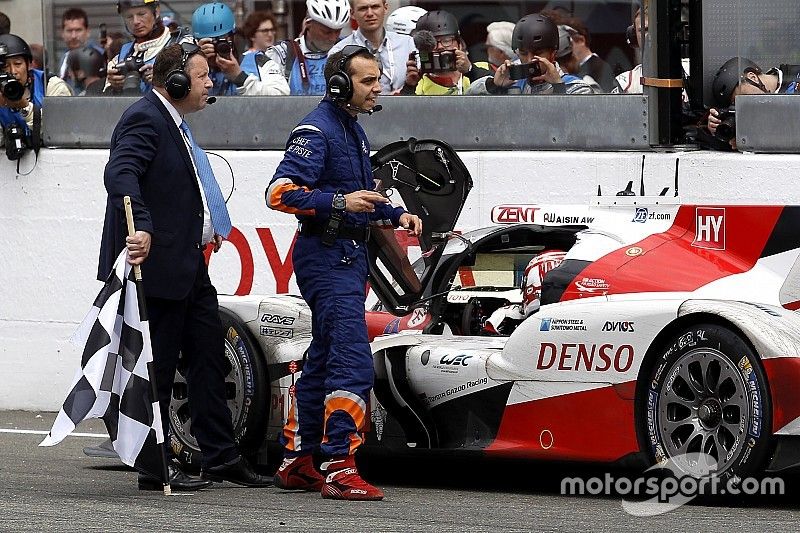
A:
[178,83]
[340,85]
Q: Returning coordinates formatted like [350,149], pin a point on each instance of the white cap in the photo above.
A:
[334,14]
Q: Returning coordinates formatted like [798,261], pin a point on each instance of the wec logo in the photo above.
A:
[626,327]
[461,360]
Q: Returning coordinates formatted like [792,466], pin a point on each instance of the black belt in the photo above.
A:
[350,233]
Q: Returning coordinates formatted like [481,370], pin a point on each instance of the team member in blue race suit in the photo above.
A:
[326,179]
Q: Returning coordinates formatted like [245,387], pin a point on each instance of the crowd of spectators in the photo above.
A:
[420,53]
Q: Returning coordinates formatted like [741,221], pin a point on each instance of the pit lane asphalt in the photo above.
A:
[60,489]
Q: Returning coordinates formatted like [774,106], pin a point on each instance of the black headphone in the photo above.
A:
[178,83]
[630,36]
[340,85]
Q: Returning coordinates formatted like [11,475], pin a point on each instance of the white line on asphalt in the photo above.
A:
[37,432]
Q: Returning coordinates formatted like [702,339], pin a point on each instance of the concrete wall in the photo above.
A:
[51,222]
[26,18]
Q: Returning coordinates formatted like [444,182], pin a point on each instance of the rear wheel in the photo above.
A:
[246,392]
[707,404]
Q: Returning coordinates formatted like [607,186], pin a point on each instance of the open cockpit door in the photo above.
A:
[433,183]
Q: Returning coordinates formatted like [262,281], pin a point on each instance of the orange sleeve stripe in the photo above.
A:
[277,193]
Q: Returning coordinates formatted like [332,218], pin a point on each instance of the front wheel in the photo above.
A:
[707,404]
[246,391]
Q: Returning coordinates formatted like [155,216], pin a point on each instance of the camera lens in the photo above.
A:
[11,88]
[223,48]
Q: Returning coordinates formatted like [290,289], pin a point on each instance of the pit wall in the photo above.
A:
[52,221]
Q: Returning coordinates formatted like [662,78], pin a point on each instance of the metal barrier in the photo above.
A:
[768,123]
[598,122]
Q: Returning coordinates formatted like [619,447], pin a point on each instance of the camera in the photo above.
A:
[130,69]
[727,129]
[525,70]
[438,61]
[222,46]
[10,88]
[16,141]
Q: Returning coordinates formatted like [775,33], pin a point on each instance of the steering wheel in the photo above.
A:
[473,317]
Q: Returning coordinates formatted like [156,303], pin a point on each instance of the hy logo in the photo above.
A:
[640,215]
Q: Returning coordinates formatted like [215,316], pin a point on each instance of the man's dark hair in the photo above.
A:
[5,24]
[332,65]
[75,13]
[167,60]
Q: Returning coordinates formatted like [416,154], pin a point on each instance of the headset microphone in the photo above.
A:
[211,99]
[375,109]
[357,109]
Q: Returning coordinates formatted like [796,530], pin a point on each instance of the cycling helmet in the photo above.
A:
[535,32]
[212,20]
[127,4]
[334,14]
[540,265]
[438,23]
[728,78]
[16,46]
[404,19]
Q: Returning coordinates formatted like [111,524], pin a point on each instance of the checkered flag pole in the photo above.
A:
[116,380]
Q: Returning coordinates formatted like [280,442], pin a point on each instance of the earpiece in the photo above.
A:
[178,83]
[340,86]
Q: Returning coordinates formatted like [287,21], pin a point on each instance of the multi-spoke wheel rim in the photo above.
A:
[704,408]
[234,394]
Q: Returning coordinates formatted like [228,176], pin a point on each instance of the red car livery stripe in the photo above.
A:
[592,425]
[703,244]
[783,375]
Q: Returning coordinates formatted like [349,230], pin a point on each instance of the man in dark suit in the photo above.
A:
[178,210]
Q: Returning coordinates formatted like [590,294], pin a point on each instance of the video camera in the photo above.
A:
[10,88]
[130,69]
[438,61]
[727,129]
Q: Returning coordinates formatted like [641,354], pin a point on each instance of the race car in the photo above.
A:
[667,330]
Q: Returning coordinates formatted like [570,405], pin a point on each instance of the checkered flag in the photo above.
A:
[113,381]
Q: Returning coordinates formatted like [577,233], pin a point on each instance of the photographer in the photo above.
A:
[298,65]
[444,68]
[22,92]
[536,42]
[87,67]
[739,75]
[76,35]
[391,49]
[131,71]
[213,26]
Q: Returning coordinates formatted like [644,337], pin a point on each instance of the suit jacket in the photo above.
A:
[600,71]
[150,163]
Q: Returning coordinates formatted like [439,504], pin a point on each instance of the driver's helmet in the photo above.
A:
[541,264]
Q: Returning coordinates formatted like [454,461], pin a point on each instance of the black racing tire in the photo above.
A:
[706,392]
[247,390]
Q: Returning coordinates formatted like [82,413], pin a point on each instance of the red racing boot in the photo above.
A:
[342,481]
[298,473]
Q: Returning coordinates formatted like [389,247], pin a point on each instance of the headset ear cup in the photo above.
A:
[177,84]
[340,87]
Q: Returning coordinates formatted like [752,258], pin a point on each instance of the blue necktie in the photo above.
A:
[216,203]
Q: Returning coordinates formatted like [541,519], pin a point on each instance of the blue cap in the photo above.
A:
[212,20]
